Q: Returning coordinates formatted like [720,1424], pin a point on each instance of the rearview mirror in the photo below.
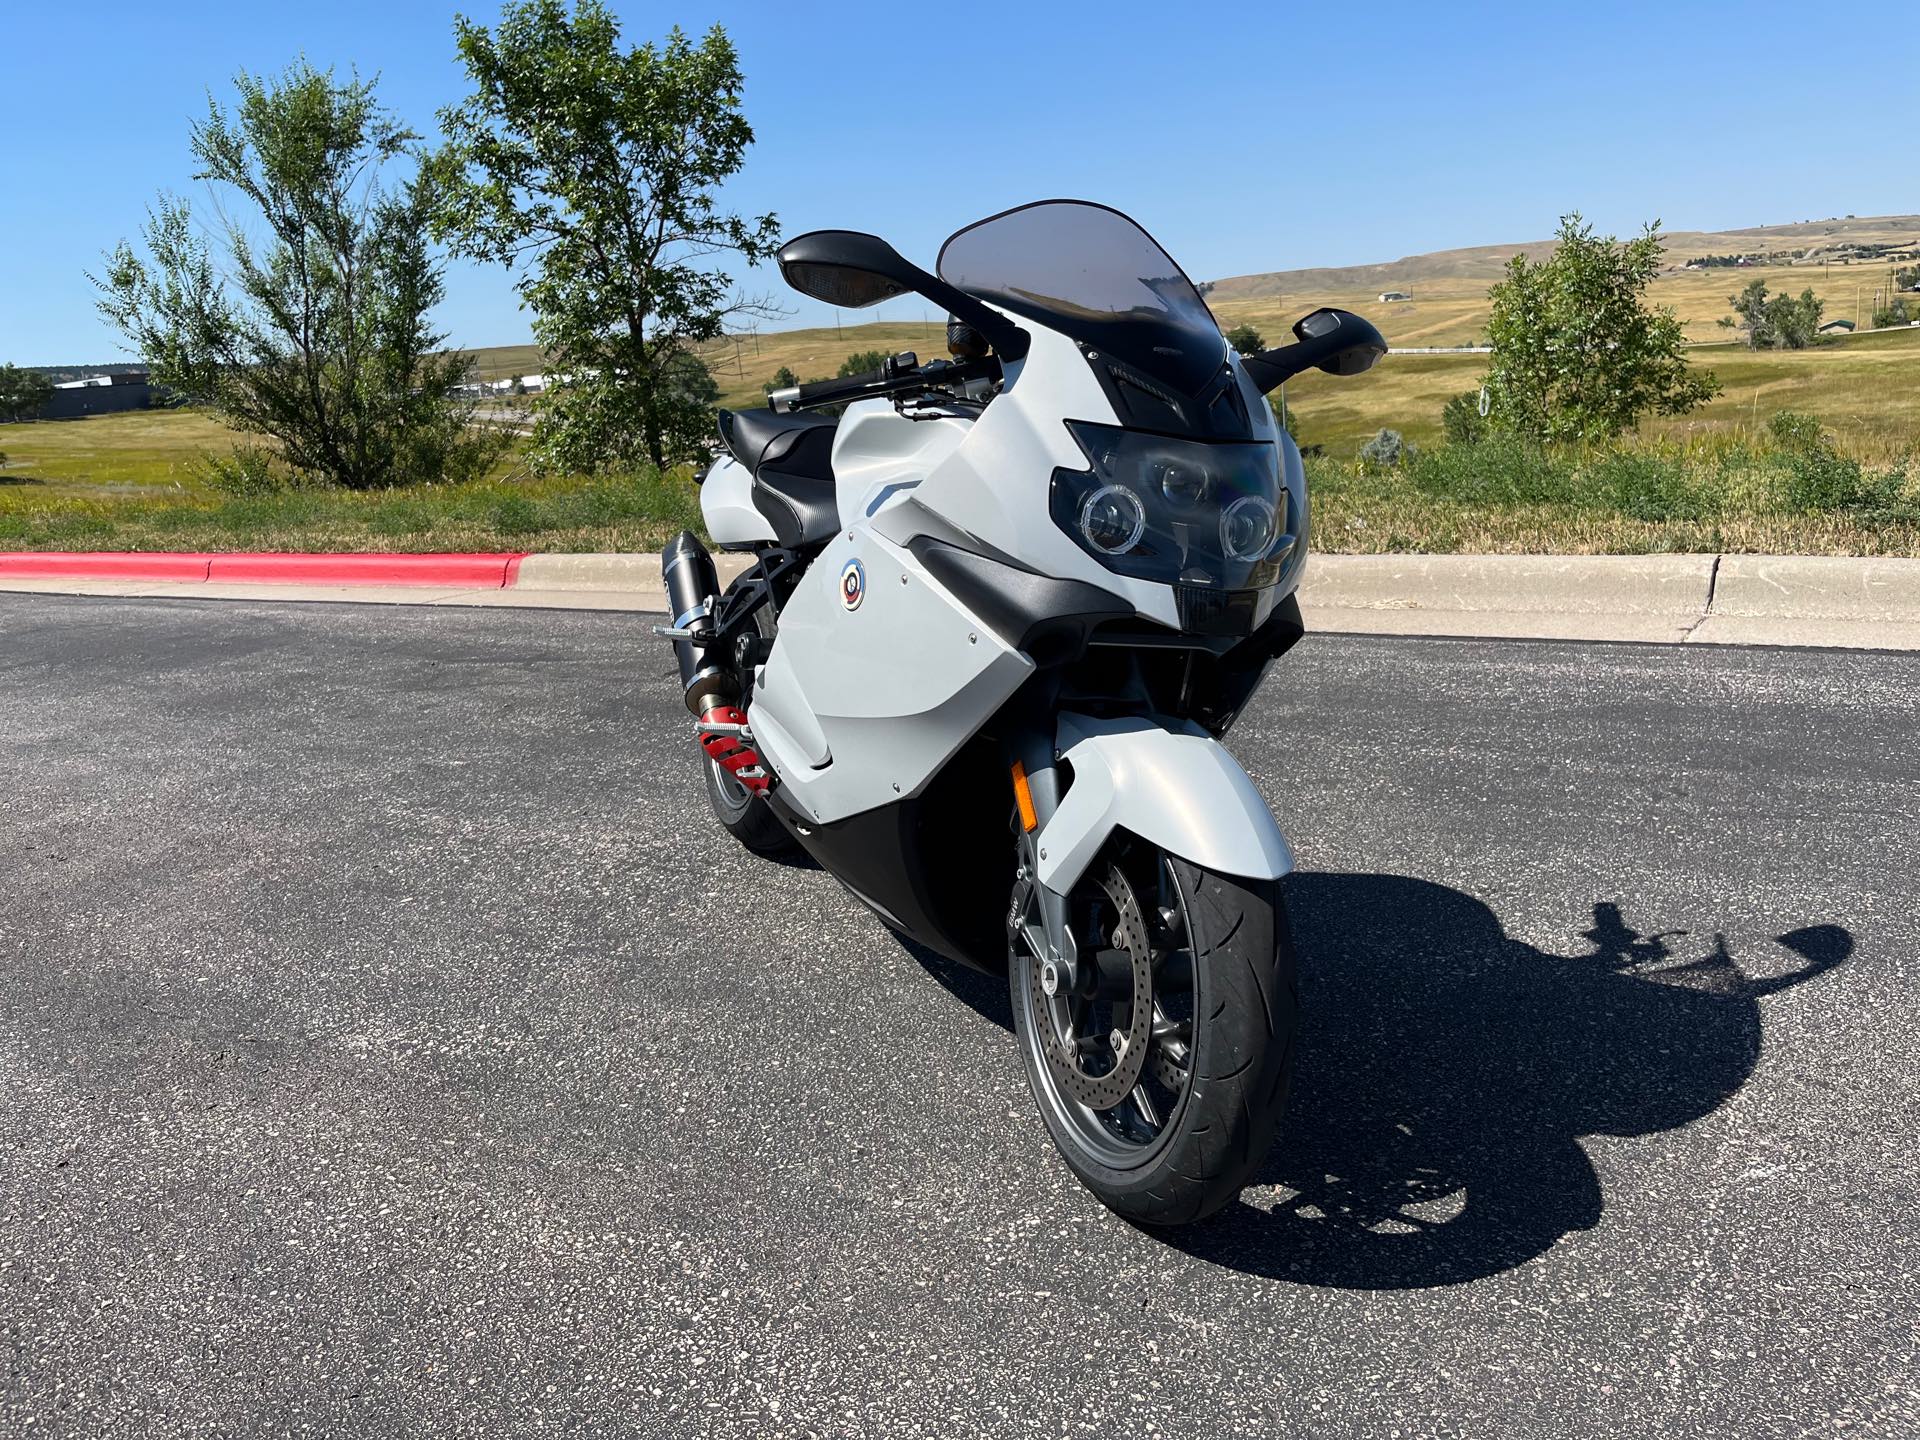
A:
[850,268]
[843,267]
[1336,341]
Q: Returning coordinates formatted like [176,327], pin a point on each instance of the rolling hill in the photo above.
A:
[1833,258]
[1806,242]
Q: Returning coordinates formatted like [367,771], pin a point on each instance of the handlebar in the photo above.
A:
[902,380]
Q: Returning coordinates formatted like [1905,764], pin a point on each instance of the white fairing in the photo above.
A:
[859,706]
[726,503]
[1177,789]
[879,455]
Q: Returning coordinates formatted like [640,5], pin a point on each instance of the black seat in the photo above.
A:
[791,460]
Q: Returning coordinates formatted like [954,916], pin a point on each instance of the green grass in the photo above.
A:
[1865,390]
[1788,491]
[137,482]
[1717,480]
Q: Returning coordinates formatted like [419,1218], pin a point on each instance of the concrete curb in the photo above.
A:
[1870,603]
[1670,585]
[1819,588]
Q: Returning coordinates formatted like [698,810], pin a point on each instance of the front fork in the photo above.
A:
[1037,918]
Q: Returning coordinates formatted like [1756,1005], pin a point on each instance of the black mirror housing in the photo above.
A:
[1336,341]
[850,268]
[843,267]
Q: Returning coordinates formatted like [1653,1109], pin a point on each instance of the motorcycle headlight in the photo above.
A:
[1247,529]
[1112,519]
[1183,484]
[1180,512]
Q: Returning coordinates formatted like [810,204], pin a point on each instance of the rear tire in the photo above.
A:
[1243,1023]
[741,813]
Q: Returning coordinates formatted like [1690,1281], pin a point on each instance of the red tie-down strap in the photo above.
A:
[729,750]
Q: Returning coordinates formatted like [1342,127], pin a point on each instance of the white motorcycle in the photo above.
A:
[999,614]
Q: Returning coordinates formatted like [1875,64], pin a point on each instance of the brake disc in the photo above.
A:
[1107,1089]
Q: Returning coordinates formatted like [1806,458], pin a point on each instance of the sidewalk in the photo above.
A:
[1658,599]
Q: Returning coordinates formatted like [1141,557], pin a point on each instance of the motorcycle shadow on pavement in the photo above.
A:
[1447,1071]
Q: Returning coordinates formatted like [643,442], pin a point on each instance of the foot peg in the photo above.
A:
[723,734]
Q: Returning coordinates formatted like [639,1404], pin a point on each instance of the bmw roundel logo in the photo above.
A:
[853,584]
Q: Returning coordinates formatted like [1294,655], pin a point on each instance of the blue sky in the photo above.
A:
[1245,137]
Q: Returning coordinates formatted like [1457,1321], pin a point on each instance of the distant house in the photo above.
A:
[1837,327]
[1387,297]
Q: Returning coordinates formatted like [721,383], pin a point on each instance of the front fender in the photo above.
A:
[1177,789]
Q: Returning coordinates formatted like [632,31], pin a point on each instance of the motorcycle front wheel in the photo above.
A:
[1162,1068]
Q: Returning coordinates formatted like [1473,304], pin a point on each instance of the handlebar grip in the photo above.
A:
[879,383]
[826,392]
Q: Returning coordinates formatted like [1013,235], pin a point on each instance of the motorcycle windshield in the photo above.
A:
[1092,274]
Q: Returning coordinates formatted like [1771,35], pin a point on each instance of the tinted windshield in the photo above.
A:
[1093,274]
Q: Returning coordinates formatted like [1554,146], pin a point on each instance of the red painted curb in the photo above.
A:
[110,565]
[492,572]
[489,571]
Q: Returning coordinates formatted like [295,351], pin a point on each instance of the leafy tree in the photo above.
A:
[1578,353]
[305,317]
[862,362]
[22,392]
[1245,339]
[1893,314]
[591,170]
[1774,322]
[783,379]
[1907,277]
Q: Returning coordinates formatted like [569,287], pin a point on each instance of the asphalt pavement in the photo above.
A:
[391,1043]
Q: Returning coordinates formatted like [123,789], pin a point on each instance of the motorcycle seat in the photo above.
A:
[794,444]
[791,460]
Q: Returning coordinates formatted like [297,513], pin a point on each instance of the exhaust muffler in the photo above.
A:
[707,673]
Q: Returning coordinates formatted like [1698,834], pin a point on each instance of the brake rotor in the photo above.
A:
[1107,1089]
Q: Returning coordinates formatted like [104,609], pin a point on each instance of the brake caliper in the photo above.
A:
[725,736]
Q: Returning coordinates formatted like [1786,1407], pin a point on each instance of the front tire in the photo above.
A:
[1224,954]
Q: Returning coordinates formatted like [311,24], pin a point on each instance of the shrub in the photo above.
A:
[1502,470]
[1815,477]
[1385,451]
[1460,417]
[247,472]
[1793,431]
[1646,485]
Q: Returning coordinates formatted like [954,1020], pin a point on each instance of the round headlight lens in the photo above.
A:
[1113,519]
[1183,483]
[1247,529]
